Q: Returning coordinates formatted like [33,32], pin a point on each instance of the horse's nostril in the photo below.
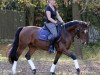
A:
[83,42]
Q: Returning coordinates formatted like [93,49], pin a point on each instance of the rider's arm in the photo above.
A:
[59,17]
[48,13]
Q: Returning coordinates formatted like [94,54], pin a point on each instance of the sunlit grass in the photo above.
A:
[90,52]
[3,59]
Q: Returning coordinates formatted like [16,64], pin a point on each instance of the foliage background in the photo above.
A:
[89,11]
[35,15]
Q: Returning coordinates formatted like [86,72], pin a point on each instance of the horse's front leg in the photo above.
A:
[73,56]
[53,67]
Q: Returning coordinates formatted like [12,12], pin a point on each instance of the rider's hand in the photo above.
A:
[56,22]
[63,23]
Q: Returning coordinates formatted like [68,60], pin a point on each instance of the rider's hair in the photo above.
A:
[56,6]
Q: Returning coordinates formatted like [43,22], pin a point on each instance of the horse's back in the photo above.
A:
[28,33]
[31,28]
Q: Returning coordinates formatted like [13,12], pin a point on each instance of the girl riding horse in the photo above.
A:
[28,37]
[51,22]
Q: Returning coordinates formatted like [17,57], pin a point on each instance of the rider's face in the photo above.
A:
[52,2]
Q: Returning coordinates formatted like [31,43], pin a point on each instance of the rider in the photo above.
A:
[52,16]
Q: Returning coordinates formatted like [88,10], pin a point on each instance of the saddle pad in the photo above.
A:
[43,34]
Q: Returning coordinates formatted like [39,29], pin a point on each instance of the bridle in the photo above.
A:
[78,33]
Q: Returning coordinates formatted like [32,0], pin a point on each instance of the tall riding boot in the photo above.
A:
[51,47]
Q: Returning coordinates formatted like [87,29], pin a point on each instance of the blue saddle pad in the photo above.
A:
[44,33]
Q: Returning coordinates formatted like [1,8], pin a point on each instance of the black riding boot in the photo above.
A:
[51,47]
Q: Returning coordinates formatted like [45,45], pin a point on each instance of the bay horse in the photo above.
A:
[28,37]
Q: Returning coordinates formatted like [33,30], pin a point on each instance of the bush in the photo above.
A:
[91,51]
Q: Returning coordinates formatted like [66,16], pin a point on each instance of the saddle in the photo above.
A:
[44,32]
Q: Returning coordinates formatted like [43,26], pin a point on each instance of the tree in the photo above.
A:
[76,16]
[29,13]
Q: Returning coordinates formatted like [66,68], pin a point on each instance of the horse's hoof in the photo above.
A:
[34,71]
[78,71]
[53,73]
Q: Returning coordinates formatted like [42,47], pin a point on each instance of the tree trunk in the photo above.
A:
[76,16]
[29,14]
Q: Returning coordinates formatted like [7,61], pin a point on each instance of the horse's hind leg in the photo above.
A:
[19,52]
[28,57]
[52,70]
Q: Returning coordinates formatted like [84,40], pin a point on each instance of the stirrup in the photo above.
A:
[51,49]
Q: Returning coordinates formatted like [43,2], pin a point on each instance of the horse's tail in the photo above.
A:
[13,52]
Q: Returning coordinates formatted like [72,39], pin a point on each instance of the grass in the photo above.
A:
[92,51]
[89,54]
[3,59]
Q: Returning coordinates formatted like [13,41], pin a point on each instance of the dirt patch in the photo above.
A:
[43,67]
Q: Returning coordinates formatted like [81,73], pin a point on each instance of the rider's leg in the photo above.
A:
[52,29]
[52,36]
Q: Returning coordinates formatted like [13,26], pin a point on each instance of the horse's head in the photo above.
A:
[82,32]
[79,29]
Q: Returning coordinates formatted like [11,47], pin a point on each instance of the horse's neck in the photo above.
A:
[72,32]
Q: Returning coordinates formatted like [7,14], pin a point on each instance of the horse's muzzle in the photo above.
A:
[84,43]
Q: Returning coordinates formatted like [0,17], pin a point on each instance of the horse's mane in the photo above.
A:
[73,23]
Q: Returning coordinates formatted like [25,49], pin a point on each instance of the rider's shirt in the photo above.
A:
[53,13]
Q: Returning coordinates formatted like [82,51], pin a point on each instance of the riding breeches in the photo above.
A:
[52,28]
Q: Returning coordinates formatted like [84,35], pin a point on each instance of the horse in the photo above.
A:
[27,36]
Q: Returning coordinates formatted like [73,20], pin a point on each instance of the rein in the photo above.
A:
[78,33]
[61,30]
[64,28]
